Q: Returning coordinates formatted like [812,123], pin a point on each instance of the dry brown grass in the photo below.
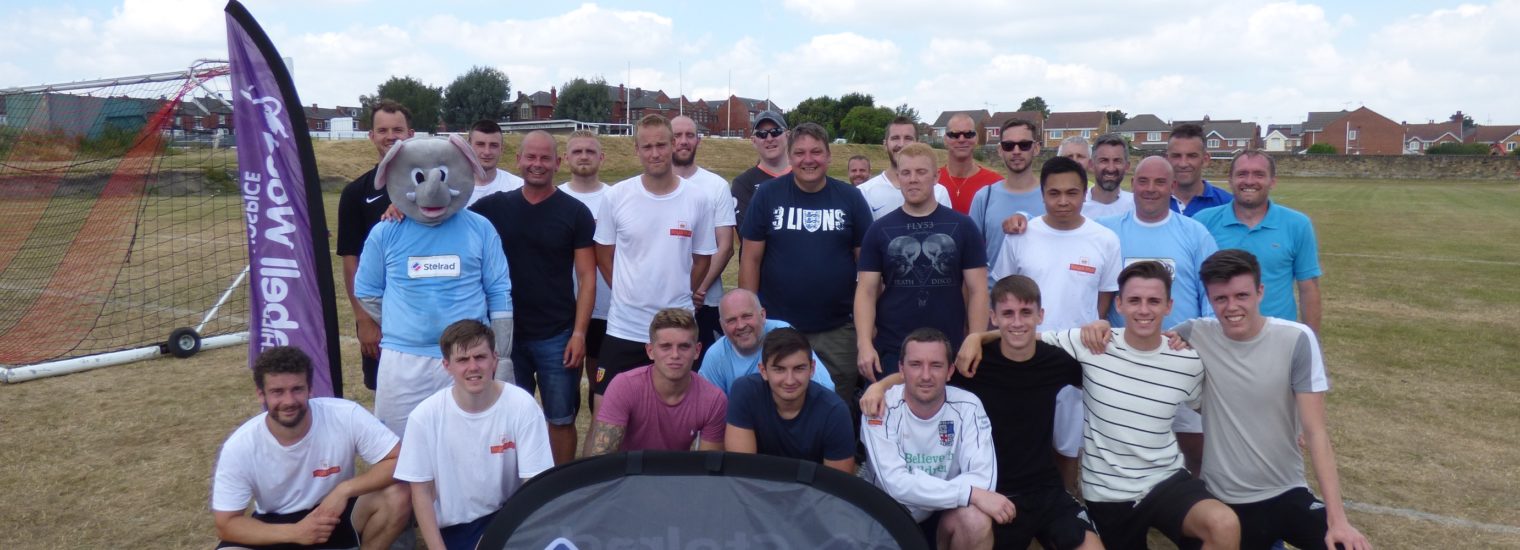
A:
[1422,357]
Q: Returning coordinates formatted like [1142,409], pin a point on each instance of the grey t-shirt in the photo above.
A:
[1250,412]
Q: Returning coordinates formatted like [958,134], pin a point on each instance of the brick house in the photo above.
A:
[1145,132]
[735,116]
[537,106]
[978,116]
[1419,137]
[1501,140]
[1087,124]
[320,119]
[1225,138]
[1283,138]
[204,114]
[1359,132]
[995,122]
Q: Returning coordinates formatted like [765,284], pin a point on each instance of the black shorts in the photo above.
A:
[1126,524]
[1047,514]
[343,536]
[709,330]
[930,527]
[1295,517]
[596,330]
[618,356]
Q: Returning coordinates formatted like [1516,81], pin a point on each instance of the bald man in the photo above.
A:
[547,236]
[737,353]
[684,161]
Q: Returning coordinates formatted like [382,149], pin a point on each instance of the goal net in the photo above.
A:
[120,217]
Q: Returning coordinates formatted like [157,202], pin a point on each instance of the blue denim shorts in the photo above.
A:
[540,365]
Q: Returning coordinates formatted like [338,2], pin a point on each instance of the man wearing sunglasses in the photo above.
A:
[1006,207]
[884,192]
[770,143]
[962,176]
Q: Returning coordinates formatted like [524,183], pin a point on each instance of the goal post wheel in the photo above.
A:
[183,342]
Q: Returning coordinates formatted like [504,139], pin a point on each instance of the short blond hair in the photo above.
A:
[916,149]
[673,317]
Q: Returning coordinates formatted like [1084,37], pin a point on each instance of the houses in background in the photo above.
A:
[733,116]
[1362,131]
[1086,124]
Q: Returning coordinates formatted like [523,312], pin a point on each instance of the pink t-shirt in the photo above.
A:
[632,402]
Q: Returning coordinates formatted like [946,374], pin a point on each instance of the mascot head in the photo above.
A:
[429,178]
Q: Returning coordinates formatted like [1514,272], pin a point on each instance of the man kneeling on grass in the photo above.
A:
[783,411]
[931,449]
[471,445]
[296,463]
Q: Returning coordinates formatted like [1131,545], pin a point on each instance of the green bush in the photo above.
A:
[1458,149]
[1322,149]
[113,141]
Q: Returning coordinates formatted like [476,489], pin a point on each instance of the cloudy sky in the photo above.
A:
[1266,61]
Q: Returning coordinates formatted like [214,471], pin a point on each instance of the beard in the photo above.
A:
[675,158]
[293,422]
[1110,184]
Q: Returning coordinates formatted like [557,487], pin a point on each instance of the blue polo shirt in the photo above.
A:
[1210,197]
[1283,243]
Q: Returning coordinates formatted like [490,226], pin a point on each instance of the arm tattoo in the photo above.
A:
[605,438]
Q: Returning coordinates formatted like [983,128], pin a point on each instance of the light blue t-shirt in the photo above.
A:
[1180,243]
[723,364]
[1283,243]
[429,277]
[993,204]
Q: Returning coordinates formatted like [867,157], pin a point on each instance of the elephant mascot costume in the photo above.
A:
[438,265]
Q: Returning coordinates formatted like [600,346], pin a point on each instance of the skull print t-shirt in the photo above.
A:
[922,261]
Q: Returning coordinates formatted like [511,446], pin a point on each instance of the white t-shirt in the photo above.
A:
[475,460]
[1094,210]
[504,182]
[1070,266]
[655,236]
[593,201]
[884,198]
[723,216]
[931,464]
[283,480]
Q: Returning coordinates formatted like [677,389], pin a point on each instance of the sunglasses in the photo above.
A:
[773,132]
[961,135]
[1021,145]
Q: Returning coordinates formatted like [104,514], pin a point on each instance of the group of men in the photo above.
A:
[878,278]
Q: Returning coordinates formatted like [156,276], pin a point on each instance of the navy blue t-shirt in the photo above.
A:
[807,276]
[1020,399]
[820,431]
[540,241]
[922,262]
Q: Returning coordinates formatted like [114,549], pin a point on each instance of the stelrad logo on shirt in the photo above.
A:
[506,445]
[681,230]
[423,267]
[1084,265]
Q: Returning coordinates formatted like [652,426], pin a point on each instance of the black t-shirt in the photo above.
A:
[743,189]
[540,241]
[922,262]
[1020,399]
[359,209]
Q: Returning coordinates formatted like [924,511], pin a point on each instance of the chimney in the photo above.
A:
[553,96]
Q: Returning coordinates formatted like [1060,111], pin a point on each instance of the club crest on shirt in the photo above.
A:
[323,470]
[812,220]
[506,445]
[946,432]
[681,230]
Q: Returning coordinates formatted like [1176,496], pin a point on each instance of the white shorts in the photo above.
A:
[404,380]
[1187,421]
